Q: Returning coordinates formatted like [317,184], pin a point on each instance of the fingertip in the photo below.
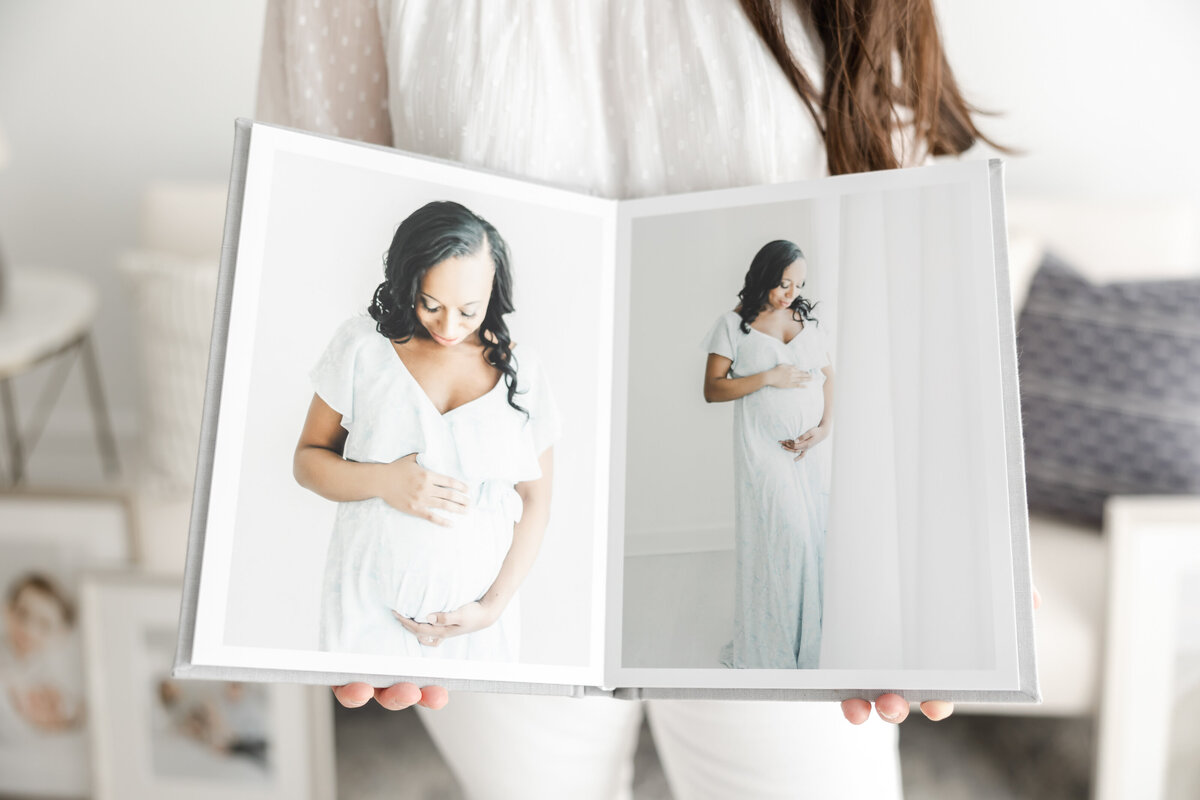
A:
[891,708]
[353,695]
[856,710]
[937,710]
[398,696]
[434,697]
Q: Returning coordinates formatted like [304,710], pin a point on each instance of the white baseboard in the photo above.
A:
[675,542]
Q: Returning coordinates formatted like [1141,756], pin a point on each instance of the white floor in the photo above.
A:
[678,609]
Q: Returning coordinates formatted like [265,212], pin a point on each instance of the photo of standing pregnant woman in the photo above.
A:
[770,357]
[433,432]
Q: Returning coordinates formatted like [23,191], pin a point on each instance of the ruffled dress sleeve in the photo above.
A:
[333,376]
[536,397]
[721,339]
[826,346]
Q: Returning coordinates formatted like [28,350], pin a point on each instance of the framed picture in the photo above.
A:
[47,542]
[153,736]
[1149,744]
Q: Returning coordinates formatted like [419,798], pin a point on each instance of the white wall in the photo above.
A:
[96,100]
[1099,95]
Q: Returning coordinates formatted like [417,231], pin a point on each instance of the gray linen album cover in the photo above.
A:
[482,432]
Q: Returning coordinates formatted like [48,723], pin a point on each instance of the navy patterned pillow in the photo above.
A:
[1110,389]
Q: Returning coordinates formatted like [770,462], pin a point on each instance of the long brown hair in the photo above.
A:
[883,59]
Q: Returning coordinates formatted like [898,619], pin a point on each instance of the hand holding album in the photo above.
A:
[395,697]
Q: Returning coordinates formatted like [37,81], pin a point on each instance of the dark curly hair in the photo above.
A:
[428,236]
[765,274]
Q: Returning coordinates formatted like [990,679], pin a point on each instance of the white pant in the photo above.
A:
[511,747]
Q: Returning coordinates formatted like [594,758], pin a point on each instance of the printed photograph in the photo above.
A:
[738,564]
[42,709]
[410,409]
[435,435]
[815,457]
[46,545]
[153,735]
[770,358]
[205,730]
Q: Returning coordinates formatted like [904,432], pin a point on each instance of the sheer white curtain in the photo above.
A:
[907,576]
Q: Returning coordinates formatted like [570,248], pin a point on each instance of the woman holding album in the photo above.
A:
[633,100]
[770,357]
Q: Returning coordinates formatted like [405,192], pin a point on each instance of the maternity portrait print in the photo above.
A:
[815,485]
[436,440]
[407,409]
[739,563]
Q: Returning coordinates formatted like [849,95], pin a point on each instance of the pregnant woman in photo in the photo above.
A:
[433,433]
[771,358]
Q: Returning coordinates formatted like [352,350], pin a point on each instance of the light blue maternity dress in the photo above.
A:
[780,504]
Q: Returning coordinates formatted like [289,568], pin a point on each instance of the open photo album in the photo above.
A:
[471,430]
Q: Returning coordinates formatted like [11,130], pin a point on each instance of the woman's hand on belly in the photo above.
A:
[805,441]
[463,620]
[408,487]
[787,376]
[393,698]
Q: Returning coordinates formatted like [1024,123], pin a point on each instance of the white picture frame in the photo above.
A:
[47,543]
[1148,735]
[153,736]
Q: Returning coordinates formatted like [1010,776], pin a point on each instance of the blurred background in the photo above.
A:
[116,127]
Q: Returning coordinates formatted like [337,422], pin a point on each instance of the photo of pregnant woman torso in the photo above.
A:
[771,358]
[434,434]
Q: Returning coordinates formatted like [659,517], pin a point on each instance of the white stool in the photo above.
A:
[48,313]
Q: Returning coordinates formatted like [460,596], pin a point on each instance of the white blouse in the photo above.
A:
[620,99]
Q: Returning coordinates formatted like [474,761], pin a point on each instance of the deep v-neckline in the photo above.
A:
[803,327]
[425,395]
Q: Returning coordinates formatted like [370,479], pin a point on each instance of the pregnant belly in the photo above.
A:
[416,568]
[783,413]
